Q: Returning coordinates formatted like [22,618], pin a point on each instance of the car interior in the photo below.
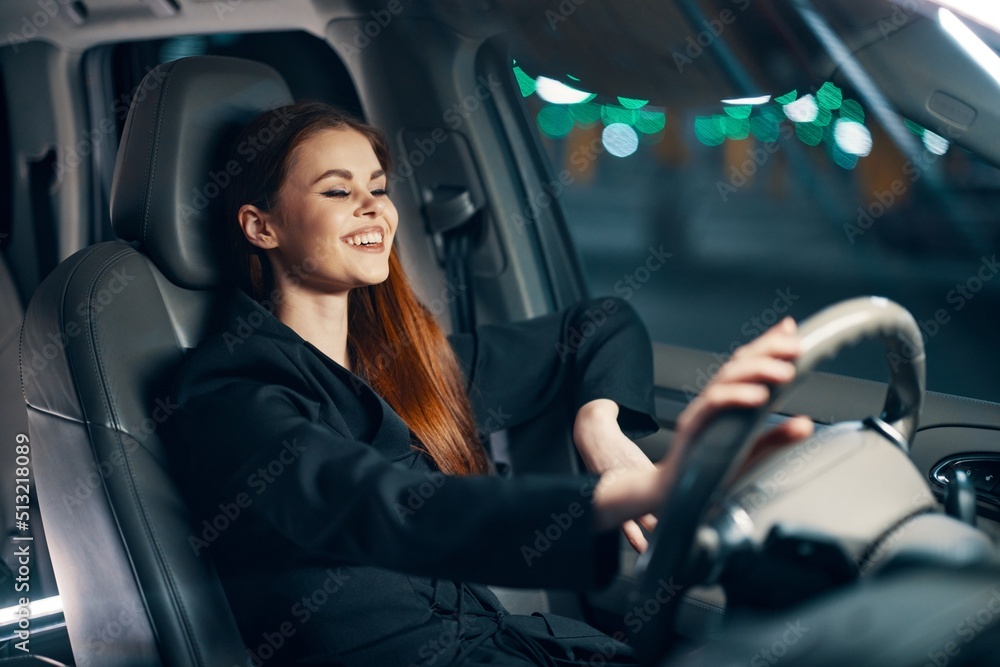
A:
[874,542]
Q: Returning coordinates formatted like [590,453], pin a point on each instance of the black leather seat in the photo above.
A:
[102,337]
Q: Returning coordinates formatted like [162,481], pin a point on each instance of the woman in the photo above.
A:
[340,432]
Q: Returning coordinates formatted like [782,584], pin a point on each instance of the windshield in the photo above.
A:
[716,217]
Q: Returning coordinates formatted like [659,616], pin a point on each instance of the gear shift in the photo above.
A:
[960,496]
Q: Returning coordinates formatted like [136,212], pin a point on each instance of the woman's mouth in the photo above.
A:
[366,240]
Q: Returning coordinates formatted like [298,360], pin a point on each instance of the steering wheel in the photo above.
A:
[718,449]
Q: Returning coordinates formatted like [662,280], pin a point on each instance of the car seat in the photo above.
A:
[102,337]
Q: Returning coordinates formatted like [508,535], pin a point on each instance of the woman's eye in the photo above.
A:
[380,192]
[335,193]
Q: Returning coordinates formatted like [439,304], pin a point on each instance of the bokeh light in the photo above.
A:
[852,137]
[557,92]
[620,139]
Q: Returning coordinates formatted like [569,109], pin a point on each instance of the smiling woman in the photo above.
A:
[363,503]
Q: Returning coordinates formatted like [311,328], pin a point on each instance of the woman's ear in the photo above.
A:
[258,226]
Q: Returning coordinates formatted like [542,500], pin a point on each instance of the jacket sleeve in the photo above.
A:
[254,429]
[595,349]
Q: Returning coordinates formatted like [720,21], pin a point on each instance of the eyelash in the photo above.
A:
[381,192]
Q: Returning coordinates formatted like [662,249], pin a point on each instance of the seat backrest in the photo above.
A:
[102,337]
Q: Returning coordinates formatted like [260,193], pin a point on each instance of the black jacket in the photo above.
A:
[310,499]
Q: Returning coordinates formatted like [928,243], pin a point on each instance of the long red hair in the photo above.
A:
[393,340]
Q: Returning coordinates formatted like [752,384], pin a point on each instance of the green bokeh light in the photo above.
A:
[810,133]
[555,120]
[586,113]
[851,110]
[630,103]
[772,112]
[765,128]
[738,111]
[913,127]
[710,130]
[829,96]
[737,128]
[842,158]
[823,117]
[524,82]
[611,114]
[650,122]
[787,97]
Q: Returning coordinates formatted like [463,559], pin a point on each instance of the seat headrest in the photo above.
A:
[173,167]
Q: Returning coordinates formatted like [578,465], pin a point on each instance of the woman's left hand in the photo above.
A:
[605,449]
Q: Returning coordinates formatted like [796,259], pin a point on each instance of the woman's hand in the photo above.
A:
[606,450]
[742,382]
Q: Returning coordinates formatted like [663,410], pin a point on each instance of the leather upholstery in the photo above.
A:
[171,172]
[102,337]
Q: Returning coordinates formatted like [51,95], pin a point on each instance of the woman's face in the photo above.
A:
[334,221]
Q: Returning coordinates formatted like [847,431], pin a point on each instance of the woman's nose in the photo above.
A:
[371,205]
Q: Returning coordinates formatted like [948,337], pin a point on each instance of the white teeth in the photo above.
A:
[368,238]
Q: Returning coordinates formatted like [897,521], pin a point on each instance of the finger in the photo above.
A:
[779,341]
[648,522]
[756,369]
[720,397]
[794,430]
[634,536]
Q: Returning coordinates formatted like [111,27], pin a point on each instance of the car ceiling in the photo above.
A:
[624,48]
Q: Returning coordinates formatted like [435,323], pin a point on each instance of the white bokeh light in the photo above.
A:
[852,137]
[556,92]
[620,139]
[762,99]
[935,143]
[802,110]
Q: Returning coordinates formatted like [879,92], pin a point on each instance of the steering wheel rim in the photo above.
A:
[722,444]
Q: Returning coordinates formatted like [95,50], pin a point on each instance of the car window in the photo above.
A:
[717,220]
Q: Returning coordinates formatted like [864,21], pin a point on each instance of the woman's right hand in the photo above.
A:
[742,382]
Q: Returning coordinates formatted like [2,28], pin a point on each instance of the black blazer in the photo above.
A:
[302,479]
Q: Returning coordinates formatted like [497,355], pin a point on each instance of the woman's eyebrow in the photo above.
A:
[344,173]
